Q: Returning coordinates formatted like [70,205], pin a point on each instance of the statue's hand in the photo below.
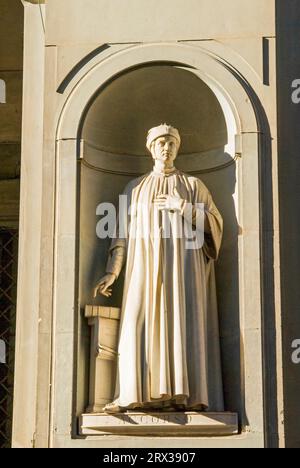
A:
[169,202]
[103,287]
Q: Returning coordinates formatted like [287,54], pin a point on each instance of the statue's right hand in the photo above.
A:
[103,287]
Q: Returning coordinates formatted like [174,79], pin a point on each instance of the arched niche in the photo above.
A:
[113,138]
[235,126]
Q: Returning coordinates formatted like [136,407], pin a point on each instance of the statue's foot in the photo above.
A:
[113,408]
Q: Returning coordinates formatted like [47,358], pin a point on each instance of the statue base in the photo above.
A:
[160,424]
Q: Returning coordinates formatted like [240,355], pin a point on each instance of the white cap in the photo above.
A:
[162,130]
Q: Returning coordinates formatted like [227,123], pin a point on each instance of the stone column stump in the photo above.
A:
[104,323]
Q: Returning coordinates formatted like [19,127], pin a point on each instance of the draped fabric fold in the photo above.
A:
[169,339]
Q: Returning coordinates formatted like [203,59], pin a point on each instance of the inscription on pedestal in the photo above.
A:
[189,423]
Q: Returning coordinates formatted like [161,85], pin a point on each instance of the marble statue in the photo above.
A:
[169,350]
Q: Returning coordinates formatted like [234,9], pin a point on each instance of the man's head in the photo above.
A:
[163,142]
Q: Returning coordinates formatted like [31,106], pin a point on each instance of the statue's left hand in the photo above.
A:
[172,202]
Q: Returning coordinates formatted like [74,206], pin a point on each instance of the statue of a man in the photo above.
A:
[169,351]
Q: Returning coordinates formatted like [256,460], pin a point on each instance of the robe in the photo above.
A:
[169,350]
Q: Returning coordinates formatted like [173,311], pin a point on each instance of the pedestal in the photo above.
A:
[160,424]
[104,323]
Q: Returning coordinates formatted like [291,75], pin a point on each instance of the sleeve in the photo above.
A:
[118,248]
[213,240]
[213,219]
[116,260]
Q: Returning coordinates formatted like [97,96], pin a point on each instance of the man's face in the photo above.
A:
[165,148]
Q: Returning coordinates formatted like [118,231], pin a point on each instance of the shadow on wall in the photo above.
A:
[288,70]
[222,184]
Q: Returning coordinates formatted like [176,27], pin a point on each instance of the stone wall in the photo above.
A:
[88,44]
[11,71]
[288,70]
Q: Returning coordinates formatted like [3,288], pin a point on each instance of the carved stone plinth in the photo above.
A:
[104,322]
[160,424]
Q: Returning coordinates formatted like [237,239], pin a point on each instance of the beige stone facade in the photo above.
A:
[93,84]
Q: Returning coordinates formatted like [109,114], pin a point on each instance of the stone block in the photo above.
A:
[104,322]
[162,423]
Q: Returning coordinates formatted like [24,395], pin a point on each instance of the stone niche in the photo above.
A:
[112,152]
[106,111]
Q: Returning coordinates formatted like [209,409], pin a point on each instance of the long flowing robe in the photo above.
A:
[169,347]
